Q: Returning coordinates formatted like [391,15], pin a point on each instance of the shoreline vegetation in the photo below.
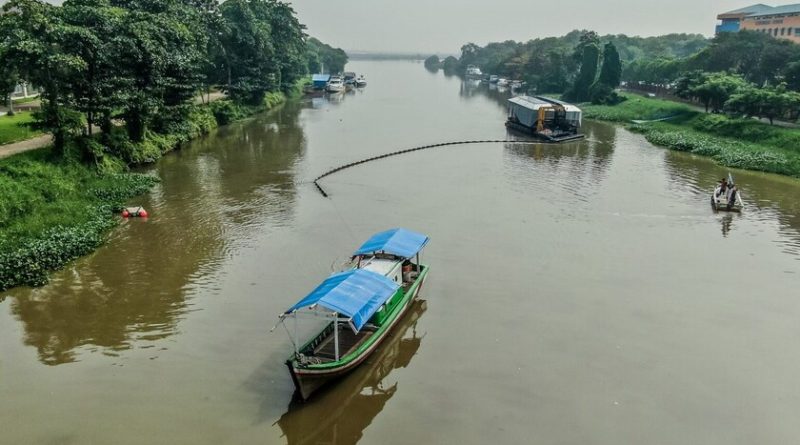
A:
[743,143]
[59,203]
[56,209]
[736,78]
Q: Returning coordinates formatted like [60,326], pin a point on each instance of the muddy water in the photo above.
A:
[583,293]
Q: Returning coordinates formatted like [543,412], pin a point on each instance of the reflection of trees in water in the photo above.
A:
[584,163]
[774,196]
[340,413]
[135,288]
[474,88]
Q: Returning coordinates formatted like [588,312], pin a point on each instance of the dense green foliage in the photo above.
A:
[550,65]
[433,63]
[325,56]
[142,63]
[757,57]
[450,65]
[15,128]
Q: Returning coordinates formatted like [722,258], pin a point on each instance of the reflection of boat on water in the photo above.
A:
[363,305]
[341,414]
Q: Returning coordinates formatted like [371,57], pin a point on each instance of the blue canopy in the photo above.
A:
[356,293]
[320,77]
[401,242]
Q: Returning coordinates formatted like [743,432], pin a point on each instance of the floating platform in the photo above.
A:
[555,138]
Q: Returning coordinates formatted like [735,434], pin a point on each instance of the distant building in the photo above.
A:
[781,22]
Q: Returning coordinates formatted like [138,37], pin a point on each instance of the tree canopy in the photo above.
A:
[142,62]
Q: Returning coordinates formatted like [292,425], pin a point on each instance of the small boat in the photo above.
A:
[361,82]
[335,85]
[502,82]
[517,84]
[473,72]
[363,304]
[349,78]
[728,201]
[493,78]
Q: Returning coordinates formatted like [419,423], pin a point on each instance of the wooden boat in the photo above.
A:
[730,201]
[329,417]
[720,201]
[363,303]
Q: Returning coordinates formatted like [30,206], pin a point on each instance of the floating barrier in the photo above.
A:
[134,212]
[409,150]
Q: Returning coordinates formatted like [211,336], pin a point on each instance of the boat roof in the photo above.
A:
[534,103]
[320,77]
[356,294]
[401,242]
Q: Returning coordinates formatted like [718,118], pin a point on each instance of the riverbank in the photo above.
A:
[55,209]
[739,143]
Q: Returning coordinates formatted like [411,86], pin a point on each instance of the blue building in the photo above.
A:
[731,21]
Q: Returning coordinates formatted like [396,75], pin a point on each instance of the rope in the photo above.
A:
[408,150]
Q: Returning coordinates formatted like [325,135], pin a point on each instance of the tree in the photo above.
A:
[717,88]
[433,63]
[34,39]
[9,79]
[588,73]
[450,65]
[611,71]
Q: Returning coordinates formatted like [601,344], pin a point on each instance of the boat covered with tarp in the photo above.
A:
[361,306]
[545,118]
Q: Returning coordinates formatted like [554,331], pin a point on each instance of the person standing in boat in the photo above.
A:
[723,188]
[731,196]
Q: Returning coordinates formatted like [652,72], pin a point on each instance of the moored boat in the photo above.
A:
[362,303]
[361,82]
[335,85]
[473,72]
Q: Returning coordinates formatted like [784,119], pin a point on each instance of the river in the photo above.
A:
[581,293]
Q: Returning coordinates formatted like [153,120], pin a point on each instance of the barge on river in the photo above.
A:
[544,118]
[362,304]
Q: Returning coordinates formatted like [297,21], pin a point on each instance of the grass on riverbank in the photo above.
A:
[14,128]
[54,209]
[739,143]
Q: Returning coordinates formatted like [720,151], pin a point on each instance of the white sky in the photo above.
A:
[444,25]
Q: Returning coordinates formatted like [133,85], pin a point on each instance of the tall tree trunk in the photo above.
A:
[10,103]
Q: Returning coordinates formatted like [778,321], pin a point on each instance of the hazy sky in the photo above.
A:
[444,25]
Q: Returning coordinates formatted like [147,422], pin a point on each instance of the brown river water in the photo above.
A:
[581,293]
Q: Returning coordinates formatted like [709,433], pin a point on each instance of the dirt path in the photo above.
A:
[22,146]
[45,140]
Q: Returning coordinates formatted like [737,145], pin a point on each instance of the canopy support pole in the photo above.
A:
[296,352]
[336,334]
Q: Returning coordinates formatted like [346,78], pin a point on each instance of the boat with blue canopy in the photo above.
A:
[360,304]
